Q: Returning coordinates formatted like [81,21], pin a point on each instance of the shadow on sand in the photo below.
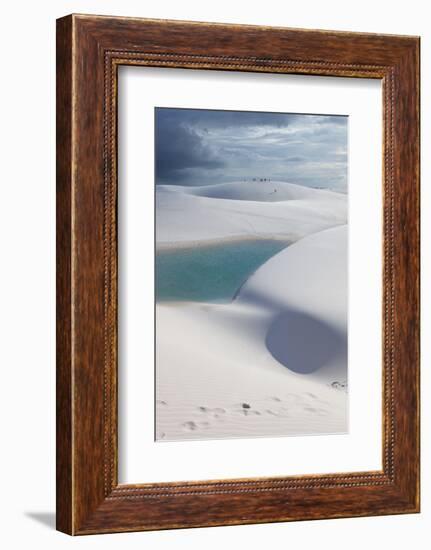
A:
[303,343]
[299,341]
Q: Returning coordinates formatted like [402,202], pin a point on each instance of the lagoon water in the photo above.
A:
[210,273]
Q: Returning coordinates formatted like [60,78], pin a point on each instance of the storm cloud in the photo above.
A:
[200,147]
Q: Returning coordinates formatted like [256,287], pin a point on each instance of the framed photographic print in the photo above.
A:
[237,274]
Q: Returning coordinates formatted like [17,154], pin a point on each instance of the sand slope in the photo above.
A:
[272,363]
[266,191]
[244,210]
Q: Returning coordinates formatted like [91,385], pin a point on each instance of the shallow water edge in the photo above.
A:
[211,273]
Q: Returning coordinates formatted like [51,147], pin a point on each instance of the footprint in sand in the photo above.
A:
[246,409]
[192,426]
[342,386]
[281,412]
[216,412]
[307,402]
[251,412]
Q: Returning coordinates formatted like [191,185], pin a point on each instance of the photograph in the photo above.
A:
[251,278]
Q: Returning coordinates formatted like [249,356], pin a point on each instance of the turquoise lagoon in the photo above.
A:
[212,273]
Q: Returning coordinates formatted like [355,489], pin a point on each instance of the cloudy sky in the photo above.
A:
[201,147]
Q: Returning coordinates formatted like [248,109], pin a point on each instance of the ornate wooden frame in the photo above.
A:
[89,51]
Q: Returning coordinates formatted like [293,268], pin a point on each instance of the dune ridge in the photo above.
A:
[217,213]
[262,191]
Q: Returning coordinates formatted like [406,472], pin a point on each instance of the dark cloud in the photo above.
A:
[197,147]
[179,150]
[207,119]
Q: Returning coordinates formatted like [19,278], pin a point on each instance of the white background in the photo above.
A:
[27,120]
[141,458]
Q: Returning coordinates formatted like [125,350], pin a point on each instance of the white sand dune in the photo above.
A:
[262,191]
[244,210]
[271,363]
